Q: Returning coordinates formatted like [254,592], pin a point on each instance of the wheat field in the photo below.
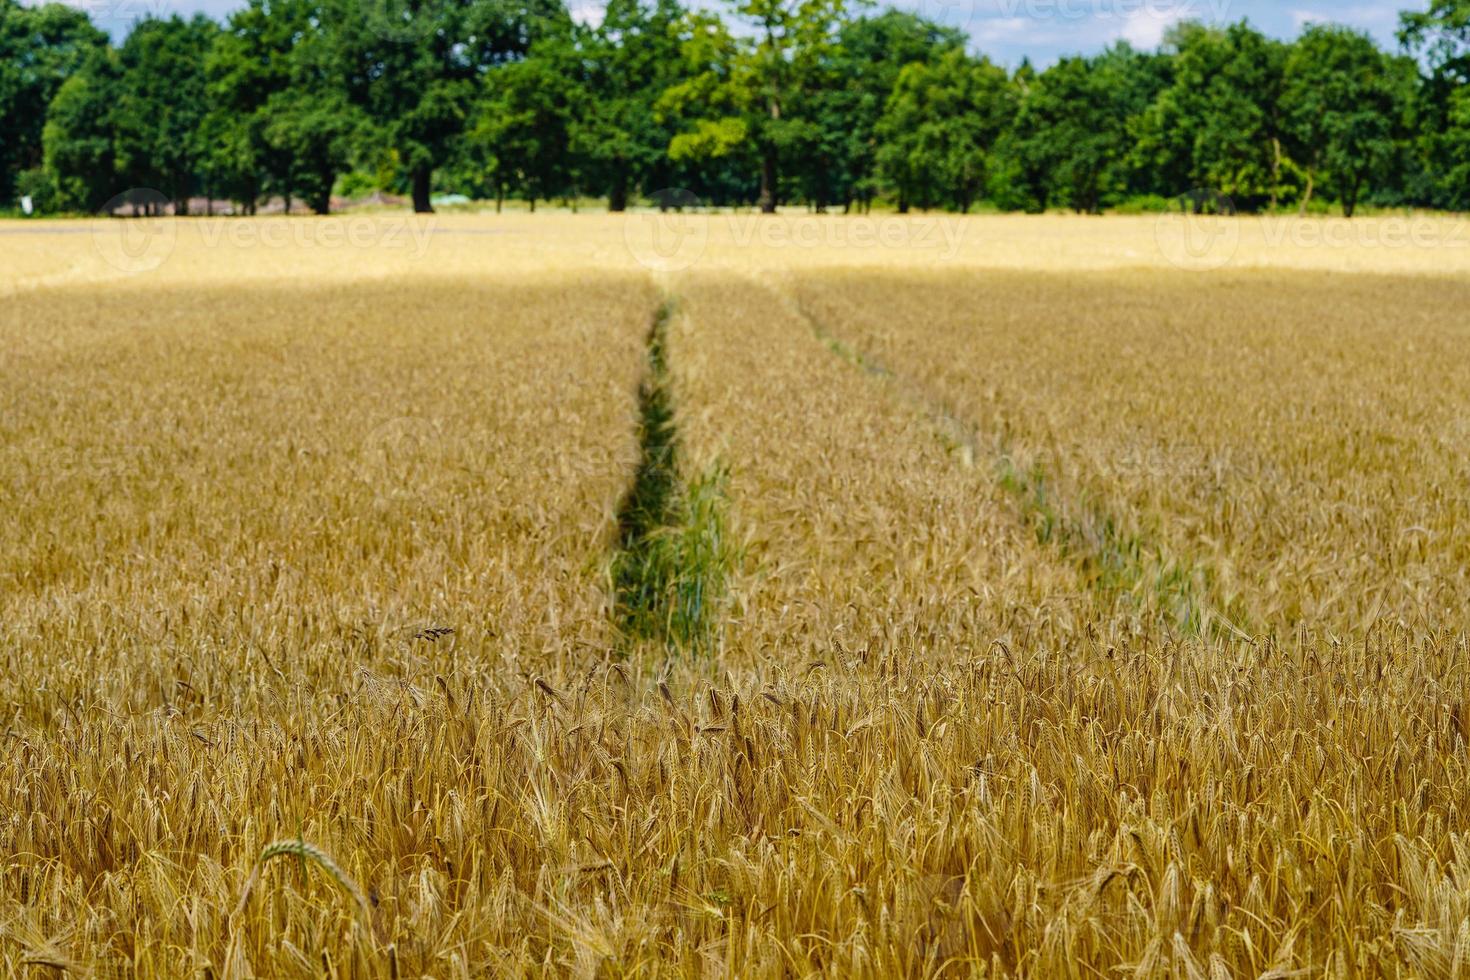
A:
[717,596]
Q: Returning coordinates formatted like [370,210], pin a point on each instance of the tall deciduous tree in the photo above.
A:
[525,122]
[744,88]
[318,132]
[1344,103]
[253,62]
[1441,35]
[628,61]
[939,126]
[282,121]
[1073,133]
[710,105]
[417,66]
[161,104]
[838,162]
[79,150]
[1218,124]
[40,48]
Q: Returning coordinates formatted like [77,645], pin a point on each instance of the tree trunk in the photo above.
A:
[617,196]
[767,201]
[421,177]
[1275,172]
[903,203]
[1350,202]
[499,197]
[1311,185]
[322,203]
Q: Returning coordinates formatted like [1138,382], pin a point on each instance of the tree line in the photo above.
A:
[796,102]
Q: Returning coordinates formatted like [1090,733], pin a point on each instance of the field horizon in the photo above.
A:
[57,251]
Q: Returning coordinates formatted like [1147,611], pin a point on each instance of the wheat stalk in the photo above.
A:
[307,853]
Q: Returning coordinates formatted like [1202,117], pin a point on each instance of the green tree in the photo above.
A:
[79,150]
[417,68]
[709,106]
[318,131]
[161,104]
[629,60]
[525,120]
[1073,132]
[282,121]
[249,64]
[1218,124]
[228,151]
[40,48]
[840,160]
[1441,111]
[1344,103]
[741,90]
[1442,33]
[938,128]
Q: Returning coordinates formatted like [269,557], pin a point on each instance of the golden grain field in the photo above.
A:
[706,595]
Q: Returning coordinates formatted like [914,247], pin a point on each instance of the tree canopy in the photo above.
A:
[761,102]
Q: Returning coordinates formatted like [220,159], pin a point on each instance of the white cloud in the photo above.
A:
[1145,28]
[1301,18]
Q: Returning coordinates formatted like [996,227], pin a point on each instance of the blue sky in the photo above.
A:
[1009,30]
[1006,30]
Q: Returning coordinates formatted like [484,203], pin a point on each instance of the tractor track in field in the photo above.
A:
[1120,562]
[673,557]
